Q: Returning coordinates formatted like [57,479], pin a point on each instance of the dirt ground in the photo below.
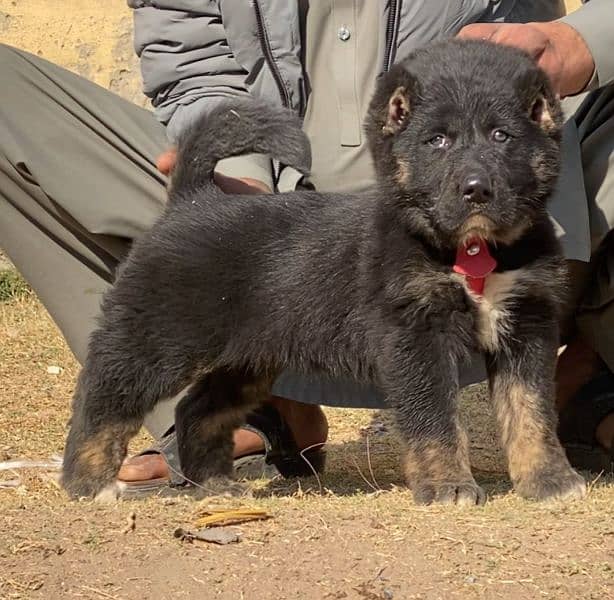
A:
[354,534]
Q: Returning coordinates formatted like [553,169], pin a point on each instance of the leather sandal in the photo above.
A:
[281,456]
[578,423]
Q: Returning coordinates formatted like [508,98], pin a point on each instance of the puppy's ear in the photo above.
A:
[540,101]
[398,111]
[392,102]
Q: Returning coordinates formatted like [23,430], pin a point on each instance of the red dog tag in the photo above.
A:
[474,261]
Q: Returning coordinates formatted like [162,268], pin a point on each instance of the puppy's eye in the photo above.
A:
[500,136]
[439,141]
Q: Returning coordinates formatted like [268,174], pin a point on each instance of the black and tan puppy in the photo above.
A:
[451,252]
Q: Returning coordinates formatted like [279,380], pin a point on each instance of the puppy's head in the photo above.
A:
[465,135]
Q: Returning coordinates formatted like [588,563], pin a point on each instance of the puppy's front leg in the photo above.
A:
[521,375]
[421,379]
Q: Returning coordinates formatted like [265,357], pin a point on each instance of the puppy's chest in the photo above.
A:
[495,305]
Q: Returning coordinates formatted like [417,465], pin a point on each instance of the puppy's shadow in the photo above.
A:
[352,467]
[351,471]
[372,463]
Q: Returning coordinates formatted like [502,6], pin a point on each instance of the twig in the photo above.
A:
[451,539]
[363,477]
[320,444]
[370,467]
[591,485]
[97,591]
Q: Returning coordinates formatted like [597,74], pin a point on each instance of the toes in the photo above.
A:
[424,493]
[470,494]
[553,485]
[461,493]
[221,486]
[110,494]
[84,486]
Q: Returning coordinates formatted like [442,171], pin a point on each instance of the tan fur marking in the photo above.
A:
[438,460]
[477,226]
[258,391]
[492,308]
[402,175]
[544,116]
[527,439]
[220,421]
[539,165]
[513,233]
[94,453]
[254,394]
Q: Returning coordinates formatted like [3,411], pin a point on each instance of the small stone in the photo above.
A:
[217,535]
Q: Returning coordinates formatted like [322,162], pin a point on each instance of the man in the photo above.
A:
[69,211]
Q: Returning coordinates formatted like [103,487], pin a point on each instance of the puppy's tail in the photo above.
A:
[235,128]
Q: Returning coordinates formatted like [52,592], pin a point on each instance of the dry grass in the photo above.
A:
[355,534]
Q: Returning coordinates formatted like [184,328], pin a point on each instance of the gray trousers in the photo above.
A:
[78,182]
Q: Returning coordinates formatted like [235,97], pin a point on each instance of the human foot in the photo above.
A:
[307,423]
[585,400]
[576,366]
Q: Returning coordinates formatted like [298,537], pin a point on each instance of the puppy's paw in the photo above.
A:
[222,486]
[462,493]
[85,485]
[561,483]
[110,493]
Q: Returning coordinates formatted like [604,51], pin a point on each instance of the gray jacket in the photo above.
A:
[195,52]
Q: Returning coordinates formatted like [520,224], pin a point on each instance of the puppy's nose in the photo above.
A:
[477,189]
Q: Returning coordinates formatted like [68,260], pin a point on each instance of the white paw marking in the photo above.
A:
[111,493]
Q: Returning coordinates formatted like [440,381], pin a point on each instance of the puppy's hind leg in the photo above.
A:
[97,441]
[206,418]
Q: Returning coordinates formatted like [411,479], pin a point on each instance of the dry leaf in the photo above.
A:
[219,518]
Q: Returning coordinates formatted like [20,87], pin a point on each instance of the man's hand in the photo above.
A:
[243,185]
[556,47]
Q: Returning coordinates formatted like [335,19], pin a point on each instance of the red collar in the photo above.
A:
[475,263]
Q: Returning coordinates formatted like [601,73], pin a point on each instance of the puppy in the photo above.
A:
[451,252]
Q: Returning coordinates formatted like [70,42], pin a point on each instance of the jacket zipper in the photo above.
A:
[268,56]
[391,32]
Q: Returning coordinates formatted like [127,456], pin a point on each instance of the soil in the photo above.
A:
[354,534]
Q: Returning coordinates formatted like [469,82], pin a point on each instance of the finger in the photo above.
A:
[478,31]
[166,161]
[526,38]
[551,63]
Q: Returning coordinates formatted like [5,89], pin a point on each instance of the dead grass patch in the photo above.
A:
[354,534]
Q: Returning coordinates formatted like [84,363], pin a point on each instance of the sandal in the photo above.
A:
[578,423]
[281,456]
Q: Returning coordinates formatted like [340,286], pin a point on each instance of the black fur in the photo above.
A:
[226,291]
[245,126]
